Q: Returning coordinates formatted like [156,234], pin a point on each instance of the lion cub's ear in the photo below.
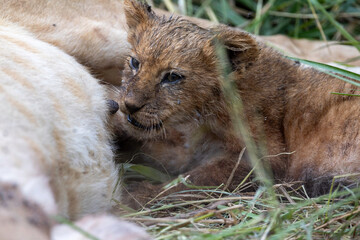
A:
[137,13]
[242,48]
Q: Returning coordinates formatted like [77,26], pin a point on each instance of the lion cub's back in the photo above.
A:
[52,127]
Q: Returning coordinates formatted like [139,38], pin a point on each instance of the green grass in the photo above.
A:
[312,19]
[273,211]
[253,215]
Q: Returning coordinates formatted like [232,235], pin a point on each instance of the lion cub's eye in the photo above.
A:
[171,78]
[134,63]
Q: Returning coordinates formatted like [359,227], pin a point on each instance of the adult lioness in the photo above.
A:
[174,80]
[56,156]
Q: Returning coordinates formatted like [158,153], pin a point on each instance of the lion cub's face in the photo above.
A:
[172,74]
[168,77]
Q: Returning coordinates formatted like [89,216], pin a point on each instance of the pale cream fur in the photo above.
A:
[111,228]
[55,152]
[54,143]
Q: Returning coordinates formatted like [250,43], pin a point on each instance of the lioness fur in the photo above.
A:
[55,144]
[92,31]
[56,151]
[174,80]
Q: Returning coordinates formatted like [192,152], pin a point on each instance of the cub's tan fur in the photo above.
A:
[174,80]
[54,143]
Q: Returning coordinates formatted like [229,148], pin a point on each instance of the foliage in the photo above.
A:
[224,215]
[313,19]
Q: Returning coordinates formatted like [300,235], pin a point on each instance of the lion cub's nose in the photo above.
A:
[132,107]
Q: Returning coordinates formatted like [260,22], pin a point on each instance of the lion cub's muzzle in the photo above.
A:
[131,109]
[135,123]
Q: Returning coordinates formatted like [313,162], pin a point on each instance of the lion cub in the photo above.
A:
[174,79]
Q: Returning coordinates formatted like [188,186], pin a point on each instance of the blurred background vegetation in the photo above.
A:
[337,20]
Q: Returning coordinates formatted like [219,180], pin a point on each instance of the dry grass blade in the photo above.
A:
[339,218]
[234,170]
[317,21]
